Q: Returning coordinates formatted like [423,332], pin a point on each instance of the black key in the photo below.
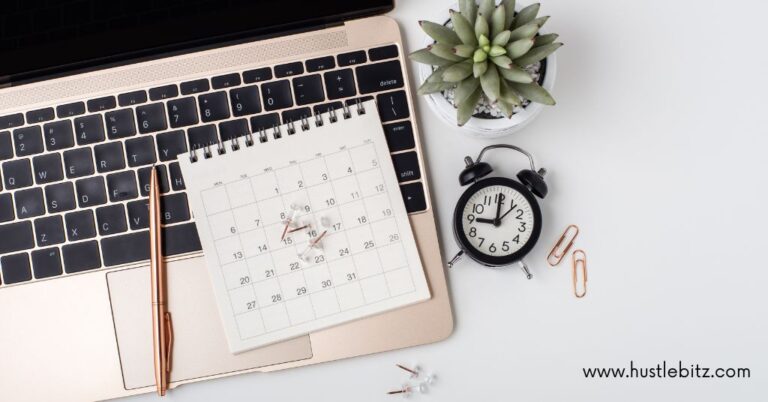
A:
[6,207]
[89,129]
[6,146]
[28,141]
[164,92]
[16,237]
[182,112]
[78,162]
[233,129]
[40,115]
[122,186]
[16,268]
[111,220]
[348,59]
[80,225]
[393,106]
[296,114]
[382,53]
[132,98]
[264,122]
[213,106]
[327,107]
[180,239]
[140,151]
[60,197]
[109,157]
[277,95]
[379,77]
[260,74]
[29,203]
[308,89]
[245,101]
[171,144]
[399,136]
[340,84]
[174,208]
[194,87]
[162,178]
[48,168]
[226,81]
[319,64]
[81,257]
[413,196]
[287,70]
[91,191]
[151,118]
[125,249]
[120,124]
[138,214]
[407,166]
[71,109]
[11,121]
[17,174]
[59,135]
[177,180]
[49,231]
[202,136]
[100,104]
[46,263]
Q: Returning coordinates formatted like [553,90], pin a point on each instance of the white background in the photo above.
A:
[657,149]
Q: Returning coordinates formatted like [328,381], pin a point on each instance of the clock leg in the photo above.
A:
[455,259]
[525,269]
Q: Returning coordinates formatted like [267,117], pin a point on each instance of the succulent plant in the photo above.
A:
[485,52]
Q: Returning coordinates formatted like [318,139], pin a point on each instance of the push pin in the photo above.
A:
[314,244]
[415,371]
[408,389]
[289,218]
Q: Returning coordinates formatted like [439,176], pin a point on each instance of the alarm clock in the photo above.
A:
[497,220]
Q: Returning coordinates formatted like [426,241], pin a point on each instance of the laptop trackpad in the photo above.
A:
[200,346]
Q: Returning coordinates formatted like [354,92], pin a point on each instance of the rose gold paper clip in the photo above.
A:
[579,262]
[559,251]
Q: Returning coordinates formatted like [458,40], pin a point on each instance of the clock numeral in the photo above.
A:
[478,209]
[482,239]
[522,227]
[516,239]
[492,247]
[472,231]
[487,200]
[505,246]
[471,218]
[519,214]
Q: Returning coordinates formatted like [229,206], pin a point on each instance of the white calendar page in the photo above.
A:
[305,232]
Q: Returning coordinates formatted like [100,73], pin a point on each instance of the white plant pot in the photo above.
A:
[482,127]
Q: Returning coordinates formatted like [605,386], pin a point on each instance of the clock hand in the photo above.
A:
[485,220]
[497,220]
[506,213]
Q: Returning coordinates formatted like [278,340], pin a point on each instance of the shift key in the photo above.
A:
[379,77]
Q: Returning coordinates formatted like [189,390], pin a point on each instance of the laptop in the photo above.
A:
[95,93]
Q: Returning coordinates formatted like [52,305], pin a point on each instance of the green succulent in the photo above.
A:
[486,52]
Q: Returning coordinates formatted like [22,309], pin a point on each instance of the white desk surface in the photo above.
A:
[657,150]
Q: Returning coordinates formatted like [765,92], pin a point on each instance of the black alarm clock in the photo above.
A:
[497,220]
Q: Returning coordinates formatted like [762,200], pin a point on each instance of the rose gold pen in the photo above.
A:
[162,327]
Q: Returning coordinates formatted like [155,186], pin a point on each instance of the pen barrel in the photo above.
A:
[160,329]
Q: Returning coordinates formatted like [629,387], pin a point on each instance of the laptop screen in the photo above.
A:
[43,37]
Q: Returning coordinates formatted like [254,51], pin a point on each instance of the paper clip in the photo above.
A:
[558,252]
[579,260]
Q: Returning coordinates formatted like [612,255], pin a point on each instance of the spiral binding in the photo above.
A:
[304,124]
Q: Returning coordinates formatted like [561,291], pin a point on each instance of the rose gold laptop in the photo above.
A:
[91,96]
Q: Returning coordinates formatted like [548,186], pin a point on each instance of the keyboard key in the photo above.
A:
[28,141]
[71,109]
[264,122]
[47,168]
[174,208]
[213,106]
[327,107]
[319,64]
[81,257]
[393,106]
[379,77]
[340,84]
[138,214]
[245,101]
[16,268]
[40,115]
[111,220]
[171,144]
[29,203]
[80,225]
[17,174]
[413,196]
[89,129]
[164,92]
[177,180]
[11,121]
[60,197]
[180,239]
[91,192]
[120,124]
[162,178]
[382,53]
[109,157]
[16,237]
[308,89]
[257,75]
[399,136]
[46,263]
[182,112]
[49,231]
[132,98]
[59,135]
[78,162]
[125,249]
[194,87]
[6,146]
[297,114]
[348,59]
[202,136]
[151,118]
[140,151]
[277,95]
[122,186]
[407,166]
[233,128]
[290,69]
[6,208]
[101,104]
[226,81]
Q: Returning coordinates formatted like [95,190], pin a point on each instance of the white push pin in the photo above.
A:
[416,373]
[408,389]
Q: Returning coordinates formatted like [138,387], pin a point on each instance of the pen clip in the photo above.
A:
[168,343]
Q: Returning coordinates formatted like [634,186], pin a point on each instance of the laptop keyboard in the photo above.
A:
[75,176]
